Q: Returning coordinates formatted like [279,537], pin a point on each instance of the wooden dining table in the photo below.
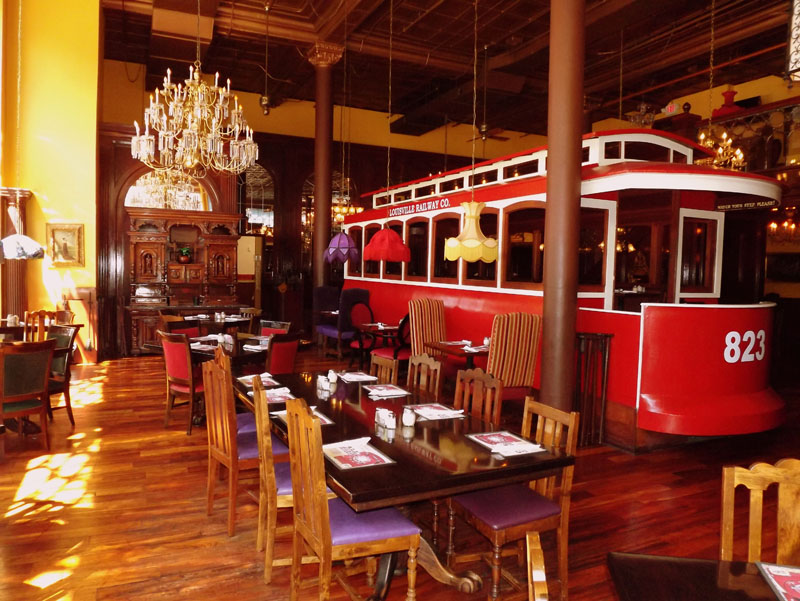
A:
[455,348]
[660,578]
[432,459]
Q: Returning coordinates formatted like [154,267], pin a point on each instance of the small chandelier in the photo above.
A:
[725,155]
[197,129]
[166,190]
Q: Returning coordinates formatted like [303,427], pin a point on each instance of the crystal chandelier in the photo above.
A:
[166,190]
[196,127]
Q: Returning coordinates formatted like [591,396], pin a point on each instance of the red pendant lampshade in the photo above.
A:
[387,245]
[341,248]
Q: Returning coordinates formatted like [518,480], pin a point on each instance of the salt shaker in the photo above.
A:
[409,417]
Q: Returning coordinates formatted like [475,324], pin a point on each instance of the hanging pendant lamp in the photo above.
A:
[341,248]
[471,245]
[386,245]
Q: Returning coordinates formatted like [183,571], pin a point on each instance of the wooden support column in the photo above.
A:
[14,297]
[323,56]
[562,220]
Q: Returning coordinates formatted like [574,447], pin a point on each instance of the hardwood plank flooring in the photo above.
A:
[116,510]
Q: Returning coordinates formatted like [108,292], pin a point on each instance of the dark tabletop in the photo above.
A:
[655,578]
[432,459]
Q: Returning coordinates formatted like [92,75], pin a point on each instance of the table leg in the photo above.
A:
[383,578]
[427,558]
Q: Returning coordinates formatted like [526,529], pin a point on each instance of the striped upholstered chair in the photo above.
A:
[426,318]
[512,352]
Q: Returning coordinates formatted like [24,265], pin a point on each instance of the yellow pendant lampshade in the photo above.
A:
[471,245]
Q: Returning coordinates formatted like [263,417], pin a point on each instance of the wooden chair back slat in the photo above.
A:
[759,477]
[385,369]
[35,324]
[308,477]
[479,395]
[424,376]
[556,431]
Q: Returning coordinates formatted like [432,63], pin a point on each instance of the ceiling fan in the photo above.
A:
[484,132]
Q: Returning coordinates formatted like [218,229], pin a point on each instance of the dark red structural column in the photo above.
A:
[323,56]
[561,230]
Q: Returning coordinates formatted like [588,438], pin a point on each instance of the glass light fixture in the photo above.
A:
[166,190]
[725,154]
[196,127]
[471,245]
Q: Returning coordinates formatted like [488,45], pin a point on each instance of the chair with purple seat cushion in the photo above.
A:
[227,446]
[506,514]
[330,528]
[182,381]
[342,331]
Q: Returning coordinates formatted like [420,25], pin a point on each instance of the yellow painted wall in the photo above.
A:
[124,99]
[55,154]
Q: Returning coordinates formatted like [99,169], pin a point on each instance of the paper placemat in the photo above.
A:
[432,411]
[506,443]
[349,454]
[266,379]
[385,391]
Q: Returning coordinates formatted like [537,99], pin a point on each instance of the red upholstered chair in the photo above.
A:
[274,327]
[182,381]
[229,445]
[282,353]
[507,513]
[24,372]
[362,342]
[181,326]
[512,352]
[329,528]
[427,324]
[400,349]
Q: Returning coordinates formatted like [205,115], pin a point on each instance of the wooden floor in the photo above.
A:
[116,510]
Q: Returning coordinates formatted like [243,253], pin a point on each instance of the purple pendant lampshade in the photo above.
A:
[387,245]
[341,248]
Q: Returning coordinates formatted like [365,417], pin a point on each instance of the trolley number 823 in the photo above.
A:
[745,347]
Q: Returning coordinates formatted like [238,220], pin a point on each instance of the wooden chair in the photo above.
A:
[785,474]
[479,395]
[253,314]
[507,513]
[386,369]
[234,448]
[61,367]
[282,353]
[424,376]
[328,527]
[182,381]
[537,580]
[35,325]
[24,372]
[275,489]
[512,352]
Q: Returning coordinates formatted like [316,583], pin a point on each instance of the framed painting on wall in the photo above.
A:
[65,244]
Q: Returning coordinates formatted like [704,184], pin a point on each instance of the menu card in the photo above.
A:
[323,419]
[266,379]
[459,342]
[348,454]
[436,411]
[506,443]
[783,580]
[276,395]
[357,376]
[383,391]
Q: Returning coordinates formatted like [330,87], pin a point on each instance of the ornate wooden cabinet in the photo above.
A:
[160,242]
